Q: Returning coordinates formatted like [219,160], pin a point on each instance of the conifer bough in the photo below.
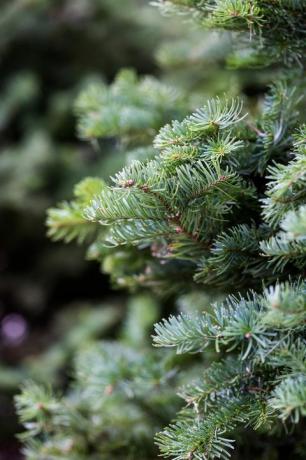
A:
[219,203]
[269,31]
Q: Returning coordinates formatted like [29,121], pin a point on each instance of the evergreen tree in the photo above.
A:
[218,206]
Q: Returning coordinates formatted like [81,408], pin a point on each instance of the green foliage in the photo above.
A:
[276,28]
[71,330]
[216,207]
[122,391]
[67,221]
[42,69]
[128,108]
[130,111]
[48,50]
[182,205]
[260,384]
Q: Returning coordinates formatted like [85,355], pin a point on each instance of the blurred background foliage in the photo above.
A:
[49,51]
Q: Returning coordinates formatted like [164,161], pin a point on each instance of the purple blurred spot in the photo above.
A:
[14,329]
